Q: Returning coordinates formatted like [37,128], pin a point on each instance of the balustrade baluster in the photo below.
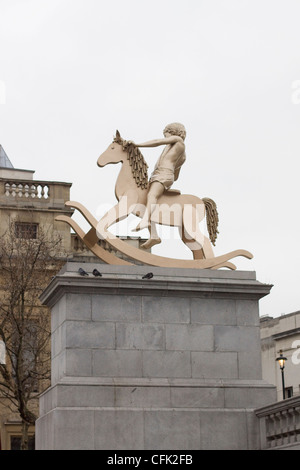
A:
[285,426]
[270,429]
[7,189]
[33,190]
[281,421]
[277,432]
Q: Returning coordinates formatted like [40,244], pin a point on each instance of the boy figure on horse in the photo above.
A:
[166,171]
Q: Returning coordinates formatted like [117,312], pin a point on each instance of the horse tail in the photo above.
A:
[212,218]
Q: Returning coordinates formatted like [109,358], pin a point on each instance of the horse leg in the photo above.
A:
[197,253]
[117,213]
[194,239]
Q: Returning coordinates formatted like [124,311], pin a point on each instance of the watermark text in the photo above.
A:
[296,354]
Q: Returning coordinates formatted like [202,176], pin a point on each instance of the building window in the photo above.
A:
[288,392]
[26,230]
[15,443]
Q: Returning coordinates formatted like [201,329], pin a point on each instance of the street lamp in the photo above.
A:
[281,360]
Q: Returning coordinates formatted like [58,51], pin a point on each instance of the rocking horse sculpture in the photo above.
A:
[173,208]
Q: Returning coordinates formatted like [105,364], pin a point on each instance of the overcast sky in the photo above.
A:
[74,71]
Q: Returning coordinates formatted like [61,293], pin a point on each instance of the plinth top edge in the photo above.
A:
[178,282]
[72,267]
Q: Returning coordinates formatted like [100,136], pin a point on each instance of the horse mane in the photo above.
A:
[137,162]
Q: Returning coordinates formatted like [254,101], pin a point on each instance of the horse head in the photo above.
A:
[122,151]
[114,152]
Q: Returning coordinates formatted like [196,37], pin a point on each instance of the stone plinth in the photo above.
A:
[172,362]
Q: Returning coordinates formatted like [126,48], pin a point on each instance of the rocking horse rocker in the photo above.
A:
[172,208]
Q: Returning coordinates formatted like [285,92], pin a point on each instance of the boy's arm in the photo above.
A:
[155,143]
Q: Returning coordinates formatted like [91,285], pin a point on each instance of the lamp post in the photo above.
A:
[281,360]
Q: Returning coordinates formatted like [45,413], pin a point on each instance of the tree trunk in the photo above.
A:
[24,439]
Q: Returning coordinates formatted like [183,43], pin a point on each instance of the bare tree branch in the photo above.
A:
[26,266]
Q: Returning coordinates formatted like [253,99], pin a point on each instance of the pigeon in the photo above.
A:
[96,273]
[148,276]
[82,272]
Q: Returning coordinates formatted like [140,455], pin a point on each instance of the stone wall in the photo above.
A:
[167,363]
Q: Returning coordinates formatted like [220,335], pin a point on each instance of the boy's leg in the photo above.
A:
[154,238]
[155,191]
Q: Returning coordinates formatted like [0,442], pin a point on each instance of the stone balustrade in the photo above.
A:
[30,189]
[280,424]
[26,192]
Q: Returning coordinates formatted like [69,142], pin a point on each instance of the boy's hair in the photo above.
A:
[176,129]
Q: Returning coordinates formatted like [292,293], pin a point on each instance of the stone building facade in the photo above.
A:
[281,334]
[29,204]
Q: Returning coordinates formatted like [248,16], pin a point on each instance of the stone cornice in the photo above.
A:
[165,282]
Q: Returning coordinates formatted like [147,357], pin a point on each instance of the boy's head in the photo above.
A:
[176,129]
